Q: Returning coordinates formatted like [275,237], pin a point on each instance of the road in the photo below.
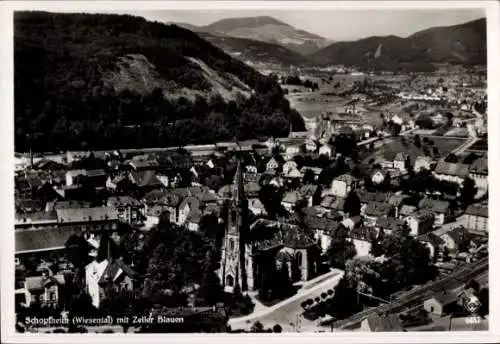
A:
[416,296]
[286,312]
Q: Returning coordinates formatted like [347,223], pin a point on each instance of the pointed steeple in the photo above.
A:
[238,189]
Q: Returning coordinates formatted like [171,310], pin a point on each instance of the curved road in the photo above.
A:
[286,312]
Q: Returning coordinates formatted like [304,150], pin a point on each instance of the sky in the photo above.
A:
[338,25]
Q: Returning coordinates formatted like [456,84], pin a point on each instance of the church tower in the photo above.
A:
[236,259]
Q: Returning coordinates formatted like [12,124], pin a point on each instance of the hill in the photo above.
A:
[93,81]
[458,44]
[264,29]
[256,51]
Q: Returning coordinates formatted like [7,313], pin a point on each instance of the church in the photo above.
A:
[248,250]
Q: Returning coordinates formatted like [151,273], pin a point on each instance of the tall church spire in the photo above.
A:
[238,189]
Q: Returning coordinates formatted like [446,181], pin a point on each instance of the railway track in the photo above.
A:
[416,296]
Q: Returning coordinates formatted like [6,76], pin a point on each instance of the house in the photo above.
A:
[43,242]
[452,172]
[46,290]
[72,176]
[332,203]
[396,200]
[375,210]
[389,225]
[324,228]
[272,165]
[422,163]
[35,220]
[291,173]
[50,207]
[293,150]
[342,185]
[109,274]
[142,163]
[311,145]
[362,238]
[91,219]
[290,200]
[400,161]
[433,243]
[420,222]
[145,180]
[406,210]
[96,178]
[352,222]
[316,170]
[153,215]
[326,150]
[377,177]
[256,207]
[379,323]
[185,208]
[456,240]
[117,182]
[440,209]
[479,173]
[129,209]
[311,193]
[166,199]
[476,217]
[441,304]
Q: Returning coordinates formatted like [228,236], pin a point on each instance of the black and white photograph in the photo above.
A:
[248,170]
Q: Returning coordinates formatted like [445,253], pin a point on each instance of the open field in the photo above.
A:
[394,146]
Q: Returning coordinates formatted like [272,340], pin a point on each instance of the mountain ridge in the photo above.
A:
[457,44]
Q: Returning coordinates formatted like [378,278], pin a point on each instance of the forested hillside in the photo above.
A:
[87,81]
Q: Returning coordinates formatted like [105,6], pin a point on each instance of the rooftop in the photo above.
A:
[44,239]
[72,215]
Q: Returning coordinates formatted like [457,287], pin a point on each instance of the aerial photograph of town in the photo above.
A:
[279,171]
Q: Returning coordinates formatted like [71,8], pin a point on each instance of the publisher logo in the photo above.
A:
[472,305]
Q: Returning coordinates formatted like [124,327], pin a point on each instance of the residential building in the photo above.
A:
[476,217]
[380,323]
[456,240]
[422,163]
[272,165]
[326,150]
[375,210]
[109,274]
[290,200]
[362,238]
[332,203]
[256,207]
[72,176]
[441,210]
[400,161]
[441,304]
[342,185]
[420,222]
[46,290]
[433,243]
[452,172]
[129,209]
[153,215]
[310,193]
[91,219]
[479,173]
[406,210]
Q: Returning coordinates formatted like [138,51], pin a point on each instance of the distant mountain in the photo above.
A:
[264,29]
[256,51]
[458,44]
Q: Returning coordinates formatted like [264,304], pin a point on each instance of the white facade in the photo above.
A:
[93,272]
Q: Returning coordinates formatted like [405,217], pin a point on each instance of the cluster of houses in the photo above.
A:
[53,204]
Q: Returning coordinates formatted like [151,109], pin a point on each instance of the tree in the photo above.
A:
[210,288]
[257,327]
[416,141]
[452,158]
[352,205]
[277,328]
[340,250]
[467,192]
